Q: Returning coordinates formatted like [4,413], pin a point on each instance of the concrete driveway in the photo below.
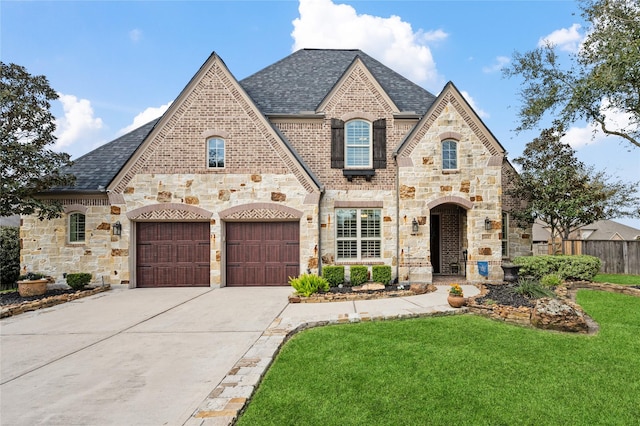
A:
[128,357]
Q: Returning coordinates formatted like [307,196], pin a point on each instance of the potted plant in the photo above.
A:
[32,284]
[456,297]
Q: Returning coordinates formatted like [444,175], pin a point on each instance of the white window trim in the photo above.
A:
[69,216]
[224,157]
[457,155]
[358,238]
[346,145]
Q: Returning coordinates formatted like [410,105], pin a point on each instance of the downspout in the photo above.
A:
[395,160]
[320,232]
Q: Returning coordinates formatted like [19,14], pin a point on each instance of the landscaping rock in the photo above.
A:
[554,314]
[422,288]
[369,286]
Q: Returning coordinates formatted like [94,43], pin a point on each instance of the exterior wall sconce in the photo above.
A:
[414,226]
[487,224]
[117,228]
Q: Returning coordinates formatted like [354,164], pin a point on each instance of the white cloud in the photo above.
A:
[578,137]
[591,133]
[480,112]
[501,61]
[135,35]
[324,24]
[78,126]
[567,39]
[144,117]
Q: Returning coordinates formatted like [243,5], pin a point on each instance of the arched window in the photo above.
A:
[76,227]
[215,153]
[357,144]
[449,155]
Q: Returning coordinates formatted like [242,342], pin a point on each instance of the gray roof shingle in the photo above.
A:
[302,80]
[297,83]
[98,167]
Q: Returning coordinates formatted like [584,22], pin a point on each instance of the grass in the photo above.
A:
[462,370]
[617,279]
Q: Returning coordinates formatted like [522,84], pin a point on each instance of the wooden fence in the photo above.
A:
[618,257]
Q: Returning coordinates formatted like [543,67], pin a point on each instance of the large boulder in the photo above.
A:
[560,315]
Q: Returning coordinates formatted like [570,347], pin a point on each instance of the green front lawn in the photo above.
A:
[617,279]
[458,370]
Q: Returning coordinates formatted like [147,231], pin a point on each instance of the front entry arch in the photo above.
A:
[448,238]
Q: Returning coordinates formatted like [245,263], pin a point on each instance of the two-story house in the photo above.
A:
[325,157]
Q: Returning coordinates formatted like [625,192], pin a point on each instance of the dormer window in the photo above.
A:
[449,155]
[215,153]
[358,144]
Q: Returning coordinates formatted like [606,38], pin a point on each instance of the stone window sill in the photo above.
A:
[451,172]
[359,262]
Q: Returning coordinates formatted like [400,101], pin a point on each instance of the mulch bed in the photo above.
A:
[14,298]
[503,294]
[348,289]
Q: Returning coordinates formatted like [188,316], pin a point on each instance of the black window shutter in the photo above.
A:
[380,144]
[337,144]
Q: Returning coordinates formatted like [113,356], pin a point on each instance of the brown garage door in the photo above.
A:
[172,254]
[264,253]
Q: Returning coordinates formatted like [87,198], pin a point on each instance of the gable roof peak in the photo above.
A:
[300,81]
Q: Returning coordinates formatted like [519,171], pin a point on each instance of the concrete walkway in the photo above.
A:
[176,356]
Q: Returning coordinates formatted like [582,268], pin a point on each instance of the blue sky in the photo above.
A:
[118,64]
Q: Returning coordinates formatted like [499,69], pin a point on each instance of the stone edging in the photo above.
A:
[566,293]
[11,310]
[414,290]
[227,401]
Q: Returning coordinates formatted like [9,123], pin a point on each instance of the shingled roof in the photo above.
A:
[295,84]
[95,170]
[300,82]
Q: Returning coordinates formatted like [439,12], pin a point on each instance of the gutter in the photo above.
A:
[395,160]
[320,231]
[68,192]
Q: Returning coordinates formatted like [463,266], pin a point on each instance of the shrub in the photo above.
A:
[580,267]
[30,276]
[381,274]
[9,256]
[333,274]
[551,280]
[79,280]
[359,274]
[532,289]
[308,284]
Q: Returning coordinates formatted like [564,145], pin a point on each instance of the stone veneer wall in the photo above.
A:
[110,258]
[215,193]
[475,186]
[359,199]
[45,247]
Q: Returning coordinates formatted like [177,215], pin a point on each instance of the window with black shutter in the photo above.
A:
[359,147]
[380,144]
[337,144]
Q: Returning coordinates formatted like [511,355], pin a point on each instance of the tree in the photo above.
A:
[26,129]
[602,80]
[563,192]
